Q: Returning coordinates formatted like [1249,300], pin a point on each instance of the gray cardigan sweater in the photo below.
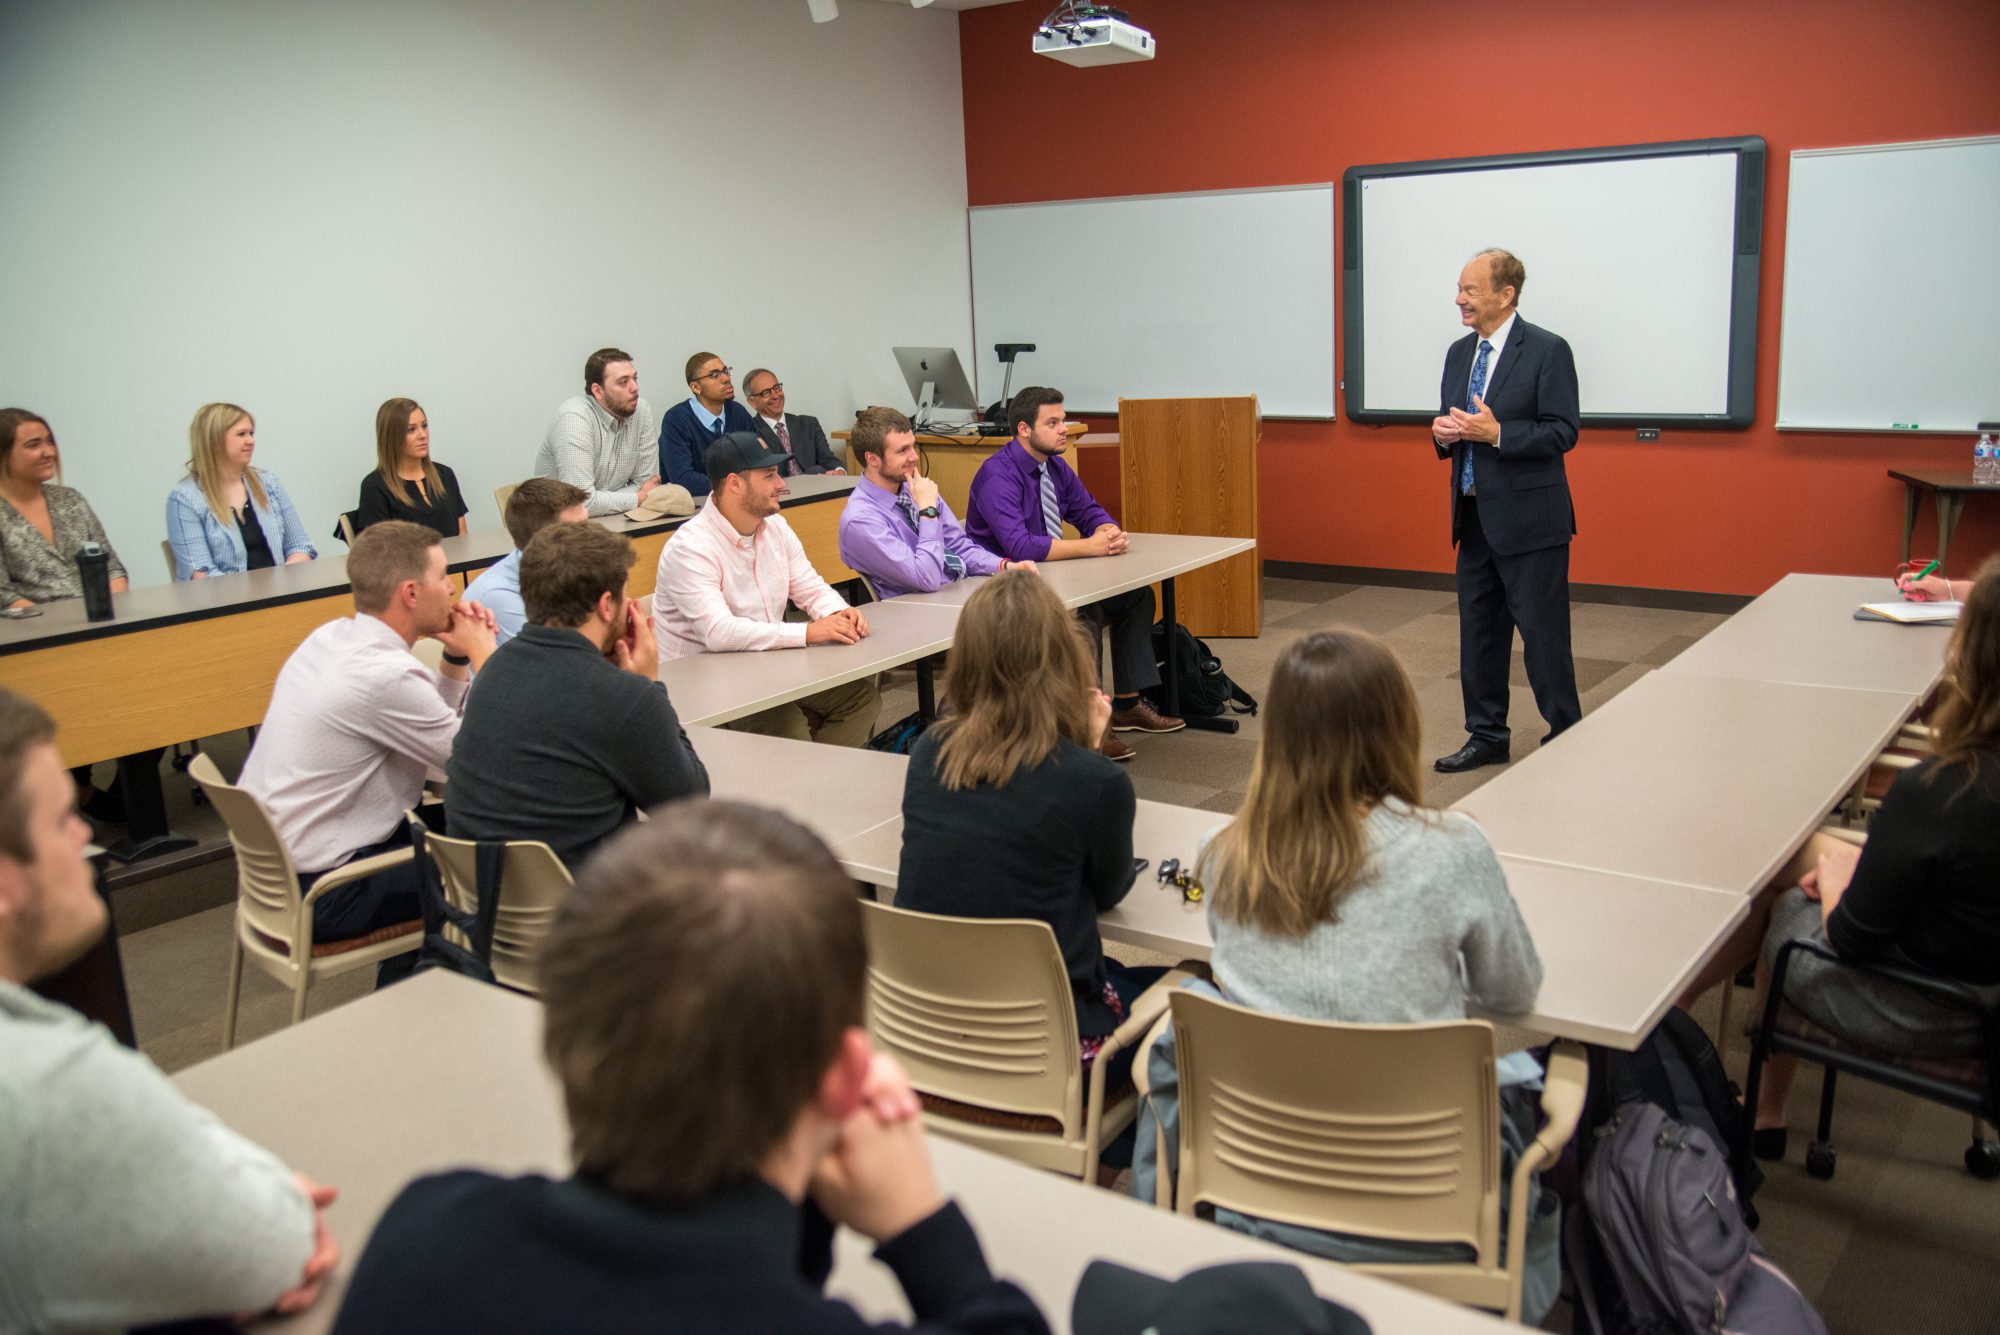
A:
[1430,923]
[121,1203]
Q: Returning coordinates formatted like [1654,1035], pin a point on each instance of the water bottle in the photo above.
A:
[93,563]
[1986,455]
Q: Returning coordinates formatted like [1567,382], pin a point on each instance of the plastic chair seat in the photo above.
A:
[325,949]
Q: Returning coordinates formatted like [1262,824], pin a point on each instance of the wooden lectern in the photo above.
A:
[1190,466]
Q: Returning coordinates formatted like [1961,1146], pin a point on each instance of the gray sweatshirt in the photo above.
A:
[121,1203]
[1430,923]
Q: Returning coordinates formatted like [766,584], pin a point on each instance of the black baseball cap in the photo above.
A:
[1269,1297]
[739,452]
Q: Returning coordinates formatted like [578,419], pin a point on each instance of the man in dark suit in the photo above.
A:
[791,432]
[1507,414]
[709,413]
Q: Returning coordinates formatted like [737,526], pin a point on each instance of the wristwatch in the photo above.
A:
[928,512]
[458,660]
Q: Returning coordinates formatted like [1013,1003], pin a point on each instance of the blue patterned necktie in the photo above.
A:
[1051,512]
[1473,390]
[954,565]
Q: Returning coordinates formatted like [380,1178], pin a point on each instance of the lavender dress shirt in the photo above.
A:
[876,539]
[1004,512]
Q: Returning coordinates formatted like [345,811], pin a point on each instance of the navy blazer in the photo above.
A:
[1523,489]
[685,438]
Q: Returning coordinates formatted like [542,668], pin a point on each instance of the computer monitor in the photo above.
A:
[937,382]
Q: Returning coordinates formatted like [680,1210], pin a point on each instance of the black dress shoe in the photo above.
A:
[1768,1143]
[1471,756]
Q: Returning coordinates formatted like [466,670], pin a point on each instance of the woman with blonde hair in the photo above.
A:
[1008,809]
[1920,892]
[407,483]
[210,511]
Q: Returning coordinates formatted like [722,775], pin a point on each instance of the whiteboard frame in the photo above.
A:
[1750,151]
[1333,316]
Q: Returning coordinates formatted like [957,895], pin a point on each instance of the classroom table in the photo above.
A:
[441,1072]
[837,792]
[1948,487]
[1706,781]
[1802,630]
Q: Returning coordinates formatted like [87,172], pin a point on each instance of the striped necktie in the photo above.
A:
[1051,512]
[791,468]
[954,565]
[1473,389]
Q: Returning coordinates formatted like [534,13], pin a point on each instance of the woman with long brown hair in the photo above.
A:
[1924,890]
[407,483]
[1009,811]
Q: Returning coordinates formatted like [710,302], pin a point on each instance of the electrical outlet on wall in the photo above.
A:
[1646,433]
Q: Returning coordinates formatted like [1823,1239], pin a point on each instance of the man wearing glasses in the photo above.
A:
[688,429]
[798,435]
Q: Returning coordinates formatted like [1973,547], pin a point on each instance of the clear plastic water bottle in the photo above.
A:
[1985,459]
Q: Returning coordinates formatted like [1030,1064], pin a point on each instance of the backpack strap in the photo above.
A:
[439,952]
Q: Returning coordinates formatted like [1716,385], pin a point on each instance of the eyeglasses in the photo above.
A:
[719,373]
[768,390]
[1171,873]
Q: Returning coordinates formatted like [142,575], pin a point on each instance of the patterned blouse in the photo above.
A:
[33,569]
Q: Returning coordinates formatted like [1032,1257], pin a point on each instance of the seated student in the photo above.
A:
[569,733]
[895,528]
[725,578]
[1335,894]
[121,1203]
[1020,498]
[795,432]
[1921,892]
[209,511]
[407,483]
[709,412]
[43,525]
[1934,588]
[1012,773]
[605,440]
[357,723]
[703,993]
[535,504]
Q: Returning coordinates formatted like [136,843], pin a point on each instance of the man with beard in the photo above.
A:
[602,441]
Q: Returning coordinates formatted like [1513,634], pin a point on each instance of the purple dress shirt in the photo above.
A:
[876,539]
[1004,512]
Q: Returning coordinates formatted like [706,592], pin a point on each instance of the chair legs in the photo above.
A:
[235,989]
[1819,1154]
[299,987]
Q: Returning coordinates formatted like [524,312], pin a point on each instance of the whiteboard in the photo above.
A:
[1642,258]
[1888,321]
[1161,296]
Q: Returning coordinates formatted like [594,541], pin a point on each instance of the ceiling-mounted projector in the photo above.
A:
[1079,34]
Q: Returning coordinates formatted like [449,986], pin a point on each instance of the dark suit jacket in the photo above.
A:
[684,442]
[1523,490]
[809,443]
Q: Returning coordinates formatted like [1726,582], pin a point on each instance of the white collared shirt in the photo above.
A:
[356,724]
[718,591]
[1498,338]
[713,421]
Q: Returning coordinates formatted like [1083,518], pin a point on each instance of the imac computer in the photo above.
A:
[937,382]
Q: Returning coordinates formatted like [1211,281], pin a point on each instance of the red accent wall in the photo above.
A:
[1274,92]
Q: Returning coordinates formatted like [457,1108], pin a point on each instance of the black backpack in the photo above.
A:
[1205,689]
[899,737]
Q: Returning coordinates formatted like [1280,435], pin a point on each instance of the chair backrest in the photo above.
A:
[533,885]
[501,495]
[978,1011]
[429,652]
[167,555]
[267,884]
[1386,1131]
[874,594]
[344,526]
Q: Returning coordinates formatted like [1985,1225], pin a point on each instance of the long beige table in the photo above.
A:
[837,792]
[717,688]
[359,1097]
[1802,630]
[1149,559]
[1711,782]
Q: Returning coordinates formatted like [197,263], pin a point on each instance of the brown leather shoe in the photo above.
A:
[1142,717]
[1113,749]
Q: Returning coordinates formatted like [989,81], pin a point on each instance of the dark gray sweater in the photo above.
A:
[560,745]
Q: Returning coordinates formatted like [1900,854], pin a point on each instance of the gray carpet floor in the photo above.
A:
[1901,1241]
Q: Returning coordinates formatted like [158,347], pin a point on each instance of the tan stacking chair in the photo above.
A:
[1384,1131]
[167,554]
[979,1013]
[501,495]
[274,923]
[533,885]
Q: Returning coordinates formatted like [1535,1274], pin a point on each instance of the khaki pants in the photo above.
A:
[846,716]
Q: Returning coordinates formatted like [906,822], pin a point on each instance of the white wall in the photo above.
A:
[307,208]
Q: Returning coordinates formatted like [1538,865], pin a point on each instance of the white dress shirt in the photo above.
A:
[356,724]
[720,592]
[1498,338]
